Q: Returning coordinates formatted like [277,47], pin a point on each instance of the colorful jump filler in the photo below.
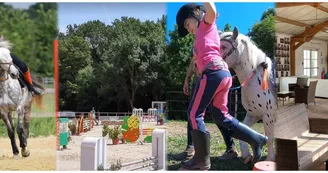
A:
[132,128]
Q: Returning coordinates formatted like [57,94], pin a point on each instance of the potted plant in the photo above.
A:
[114,134]
[161,119]
[72,128]
[105,130]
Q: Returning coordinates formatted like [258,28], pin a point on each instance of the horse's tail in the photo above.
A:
[265,80]
[265,84]
[38,99]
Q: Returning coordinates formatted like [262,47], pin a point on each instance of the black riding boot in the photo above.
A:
[201,159]
[34,89]
[255,139]
[37,91]
[187,154]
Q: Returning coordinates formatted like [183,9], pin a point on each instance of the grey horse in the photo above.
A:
[14,97]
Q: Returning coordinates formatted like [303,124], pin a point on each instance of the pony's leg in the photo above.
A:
[249,121]
[21,133]
[268,122]
[11,133]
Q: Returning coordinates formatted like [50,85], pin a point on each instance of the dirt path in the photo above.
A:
[69,160]
[43,155]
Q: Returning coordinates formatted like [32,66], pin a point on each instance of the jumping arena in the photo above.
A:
[70,157]
[93,154]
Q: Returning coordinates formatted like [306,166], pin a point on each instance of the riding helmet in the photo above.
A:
[187,11]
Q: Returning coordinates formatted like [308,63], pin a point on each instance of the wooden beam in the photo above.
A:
[305,39]
[299,44]
[292,57]
[310,32]
[293,4]
[327,60]
[324,9]
[292,22]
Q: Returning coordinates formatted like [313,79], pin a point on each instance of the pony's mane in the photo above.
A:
[5,43]
[247,40]
[251,44]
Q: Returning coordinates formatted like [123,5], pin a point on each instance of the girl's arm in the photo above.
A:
[211,13]
[190,71]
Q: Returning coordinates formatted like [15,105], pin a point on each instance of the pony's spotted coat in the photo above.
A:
[258,103]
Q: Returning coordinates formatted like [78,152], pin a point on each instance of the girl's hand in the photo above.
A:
[211,13]
[186,87]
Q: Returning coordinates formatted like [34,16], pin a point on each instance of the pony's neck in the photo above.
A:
[251,58]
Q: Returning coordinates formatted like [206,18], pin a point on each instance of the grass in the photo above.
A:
[39,126]
[48,103]
[177,141]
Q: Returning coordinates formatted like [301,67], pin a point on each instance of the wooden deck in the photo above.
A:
[318,115]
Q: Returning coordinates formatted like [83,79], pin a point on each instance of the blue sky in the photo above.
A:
[21,5]
[78,13]
[243,15]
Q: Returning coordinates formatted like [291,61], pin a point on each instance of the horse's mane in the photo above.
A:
[251,44]
[5,43]
[247,40]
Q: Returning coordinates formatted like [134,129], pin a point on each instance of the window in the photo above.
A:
[310,63]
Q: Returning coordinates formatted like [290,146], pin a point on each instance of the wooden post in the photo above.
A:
[292,57]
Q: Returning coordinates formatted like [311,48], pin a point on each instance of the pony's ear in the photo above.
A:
[235,33]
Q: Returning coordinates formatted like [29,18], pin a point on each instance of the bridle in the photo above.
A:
[231,50]
[263,64]
[8,71]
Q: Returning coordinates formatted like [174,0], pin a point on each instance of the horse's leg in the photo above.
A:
[27,113]
[249,121]
[268,122]
[7,119]
[21,133]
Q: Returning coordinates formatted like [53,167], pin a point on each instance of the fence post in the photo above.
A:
[104,151]
[159,148]
[89,158]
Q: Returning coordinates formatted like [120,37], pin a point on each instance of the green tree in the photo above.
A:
[227,27]
[74,56]
[135,49]
[263,34]
[32,38]
[178,59]
[269,12]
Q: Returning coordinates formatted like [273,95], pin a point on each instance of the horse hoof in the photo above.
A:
[248,159]
[16,156]
[25,153]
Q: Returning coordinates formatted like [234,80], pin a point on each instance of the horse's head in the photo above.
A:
[231,47]
[6,62]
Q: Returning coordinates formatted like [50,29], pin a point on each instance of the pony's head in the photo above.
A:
[238,50]
[231,47]
[6,62]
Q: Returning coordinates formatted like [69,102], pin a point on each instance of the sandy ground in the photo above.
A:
[43,155]
[69,160]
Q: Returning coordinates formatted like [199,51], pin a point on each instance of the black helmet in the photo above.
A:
[184,12]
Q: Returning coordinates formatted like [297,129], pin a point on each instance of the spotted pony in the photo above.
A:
[255,73]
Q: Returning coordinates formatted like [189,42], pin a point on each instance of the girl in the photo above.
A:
[27,76]
[213,86]
[26,72]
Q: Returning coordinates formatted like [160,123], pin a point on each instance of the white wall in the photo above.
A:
[319,45]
